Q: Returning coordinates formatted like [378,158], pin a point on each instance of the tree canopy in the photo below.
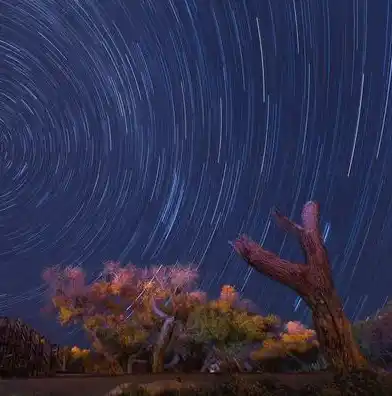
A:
[116,310]
[158,314]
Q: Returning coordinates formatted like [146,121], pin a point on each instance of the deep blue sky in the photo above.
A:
[155,131]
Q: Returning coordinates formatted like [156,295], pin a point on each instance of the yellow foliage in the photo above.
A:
[94,322]
[79,353]
[252,326]
[221,305]
[131,336]
[220,321]
[297,337]
[65,314]
[271,320]
[286,345]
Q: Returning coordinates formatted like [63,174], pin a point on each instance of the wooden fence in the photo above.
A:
[24,352]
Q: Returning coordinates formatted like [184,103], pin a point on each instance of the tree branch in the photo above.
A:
[310,219]
[311,216]
[271,265]
[286,224]
[309,235]
[158,312]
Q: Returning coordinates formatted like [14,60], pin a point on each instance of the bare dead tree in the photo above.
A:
[314,284]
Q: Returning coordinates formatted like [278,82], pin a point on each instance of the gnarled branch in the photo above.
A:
[271,265]
[309,235]
[157,311]
[311,216]
[314,283]
[286,224]
[293,275]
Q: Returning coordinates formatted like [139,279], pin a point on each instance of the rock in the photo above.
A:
[120,389]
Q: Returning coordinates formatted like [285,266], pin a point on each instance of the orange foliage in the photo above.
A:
[298,340]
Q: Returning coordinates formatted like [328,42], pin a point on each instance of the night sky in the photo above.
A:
[156,131]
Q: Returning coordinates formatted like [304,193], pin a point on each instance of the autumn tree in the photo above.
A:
[177,298]
[226,327]
[313,282]
[122,310]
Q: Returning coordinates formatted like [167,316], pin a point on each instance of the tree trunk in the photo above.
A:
[207,361]
[313,282]
[100,348]
[335,335]
[168,336]
[158,359]
[129,365]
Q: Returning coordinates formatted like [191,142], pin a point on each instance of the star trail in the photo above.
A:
[155,132]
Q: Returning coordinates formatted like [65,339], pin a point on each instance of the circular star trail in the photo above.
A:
[157,131]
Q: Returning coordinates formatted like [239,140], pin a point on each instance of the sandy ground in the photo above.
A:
[99,386]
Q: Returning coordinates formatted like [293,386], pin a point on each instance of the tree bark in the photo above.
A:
[167,337]
[129,365]
[313,282]
[158,359]
[335,335]
[207,361]
[99,347]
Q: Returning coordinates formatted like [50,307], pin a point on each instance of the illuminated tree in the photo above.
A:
[179,300]
[123,309]
[313,282]
[226,327]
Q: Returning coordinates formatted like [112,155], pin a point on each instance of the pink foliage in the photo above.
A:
[75,278]
[198,296]
[170,277]
[175,277]
[183,277]
[247,305]
[120,277]
[295,327]
[51,275]
[110,267]
[69,281]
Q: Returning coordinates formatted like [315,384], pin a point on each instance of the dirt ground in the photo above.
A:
[79,385]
